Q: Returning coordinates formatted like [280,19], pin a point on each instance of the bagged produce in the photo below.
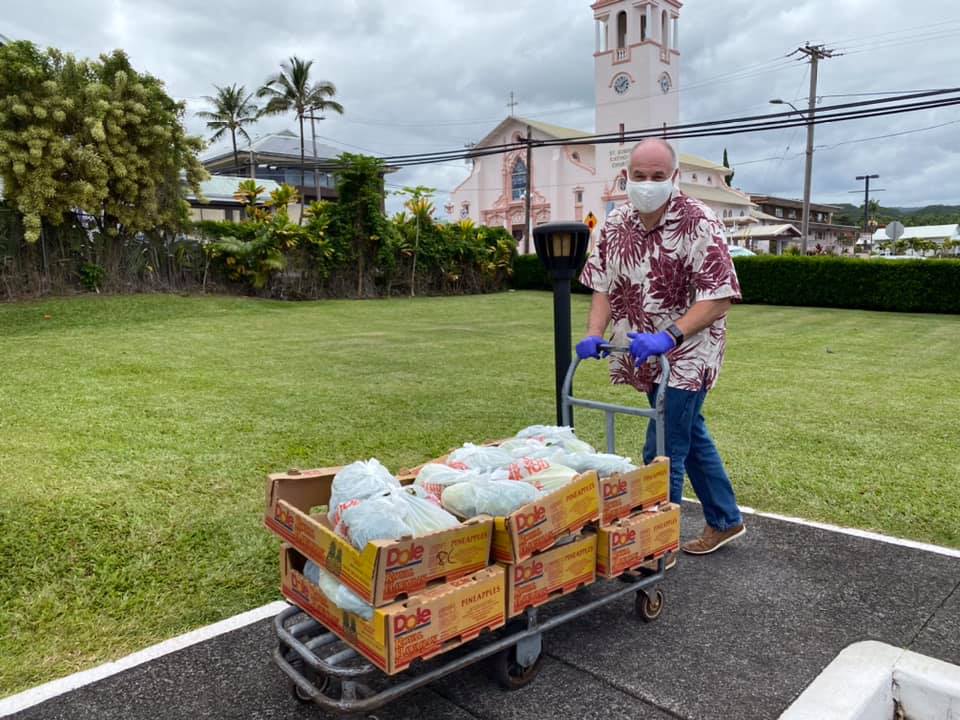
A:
[341,596]
[377,518]
[358,481]
[604,463]
[521,469]
[434,477]
[523,447]
[479,457]
[552,478]
[556,435]
[488,497]
[424,513]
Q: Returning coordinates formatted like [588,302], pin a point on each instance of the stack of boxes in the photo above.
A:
[432,593]
[429,594]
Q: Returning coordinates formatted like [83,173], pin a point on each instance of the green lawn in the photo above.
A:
[137,432]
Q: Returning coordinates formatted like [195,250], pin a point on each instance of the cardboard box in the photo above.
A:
[538,525]
[550,574]
[631,541]
[642,489]
[384,570]
[432,622]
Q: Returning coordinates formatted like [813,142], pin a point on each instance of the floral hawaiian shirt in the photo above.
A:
[653,277]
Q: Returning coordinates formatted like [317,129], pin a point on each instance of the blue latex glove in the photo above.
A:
[589,347]
[647,345]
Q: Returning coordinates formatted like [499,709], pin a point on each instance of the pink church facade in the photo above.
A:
[637,74]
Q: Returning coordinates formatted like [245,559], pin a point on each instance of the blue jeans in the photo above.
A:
[691,450]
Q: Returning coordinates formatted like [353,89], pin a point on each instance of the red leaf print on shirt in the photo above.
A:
[625,372]
[670,282]
[624,242]
[716,269]
[626,302]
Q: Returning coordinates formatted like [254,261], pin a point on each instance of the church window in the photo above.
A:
[643,27]
[578,197]
[664,30]
[622,30]
[518,180]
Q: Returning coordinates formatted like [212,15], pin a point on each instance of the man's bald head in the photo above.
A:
[653,159]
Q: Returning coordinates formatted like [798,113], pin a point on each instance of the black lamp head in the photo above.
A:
[562,247]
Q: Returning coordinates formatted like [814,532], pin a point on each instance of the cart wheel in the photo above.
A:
[323,683]
[510,674]
[649,609]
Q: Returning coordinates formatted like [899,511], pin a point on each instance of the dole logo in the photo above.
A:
[627,537]
[526,573]
[614,489]
[403,624]
[528,521]
[283,516]
[404,557]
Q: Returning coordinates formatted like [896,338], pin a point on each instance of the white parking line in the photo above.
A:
[41,693]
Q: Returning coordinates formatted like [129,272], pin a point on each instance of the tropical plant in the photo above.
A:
[290,89]
[282,198]
[92,142]
[232,110]
[421,207]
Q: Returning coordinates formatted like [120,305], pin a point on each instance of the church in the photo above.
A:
[637,80]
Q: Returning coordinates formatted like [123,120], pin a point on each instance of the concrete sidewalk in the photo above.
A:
[743,633]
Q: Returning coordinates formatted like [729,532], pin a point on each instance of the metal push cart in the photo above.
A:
[325,671]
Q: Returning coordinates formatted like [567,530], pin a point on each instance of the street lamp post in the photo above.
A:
[562,248]
[808,170]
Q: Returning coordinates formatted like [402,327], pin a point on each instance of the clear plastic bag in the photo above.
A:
[378,518]
[358,481]
[556,435]
[488,497]
[604,463]
[434,478]
[523,447]
[552,478]
[341,596]
[480,457]
[424,514]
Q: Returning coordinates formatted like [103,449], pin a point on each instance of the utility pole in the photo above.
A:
[528,191]
[316,170]
[866,202]
[816,53]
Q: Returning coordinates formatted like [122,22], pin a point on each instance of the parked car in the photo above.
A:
[739,251]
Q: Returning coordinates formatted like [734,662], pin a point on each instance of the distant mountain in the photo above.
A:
[909,216]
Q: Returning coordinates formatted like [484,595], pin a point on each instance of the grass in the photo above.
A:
[137,432]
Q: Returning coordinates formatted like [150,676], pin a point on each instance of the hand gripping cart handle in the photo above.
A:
[656,413]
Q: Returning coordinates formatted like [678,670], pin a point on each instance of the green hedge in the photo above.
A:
[931,286]
[528,274]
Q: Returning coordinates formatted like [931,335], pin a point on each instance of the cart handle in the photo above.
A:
[657,413]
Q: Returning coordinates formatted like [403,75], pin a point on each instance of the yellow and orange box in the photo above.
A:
[384,570]
[551,574]
[641,489]
[632,541]
[538,525]
[423,626]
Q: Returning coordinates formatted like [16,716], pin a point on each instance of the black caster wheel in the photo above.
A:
[510,674]
[324,685]
[647,608]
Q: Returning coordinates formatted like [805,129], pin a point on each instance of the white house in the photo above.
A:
[637,79]
[934,233]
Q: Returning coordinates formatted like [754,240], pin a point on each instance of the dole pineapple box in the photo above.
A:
[423,626]
[538,525]
[640,489]
[631,541]
[551,574]
[384,570]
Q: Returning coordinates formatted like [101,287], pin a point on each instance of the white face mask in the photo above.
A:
[649,196]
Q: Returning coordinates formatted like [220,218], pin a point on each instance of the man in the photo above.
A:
[662,273]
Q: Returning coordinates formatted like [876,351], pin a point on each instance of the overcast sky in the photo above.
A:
[426,75]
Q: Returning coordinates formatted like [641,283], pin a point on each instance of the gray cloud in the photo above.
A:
[434,74]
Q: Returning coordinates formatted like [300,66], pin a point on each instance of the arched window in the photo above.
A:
[518,180]
[643,27]
[622,30]
[695,177]
[665,30]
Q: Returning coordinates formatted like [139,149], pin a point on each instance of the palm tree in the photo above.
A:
[422,208]
[232,110]
[289,90]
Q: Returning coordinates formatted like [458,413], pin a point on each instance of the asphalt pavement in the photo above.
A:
[743,632]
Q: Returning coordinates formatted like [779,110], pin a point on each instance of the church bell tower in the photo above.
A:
[636,73]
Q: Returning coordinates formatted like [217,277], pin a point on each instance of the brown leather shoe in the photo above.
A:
[712,539]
